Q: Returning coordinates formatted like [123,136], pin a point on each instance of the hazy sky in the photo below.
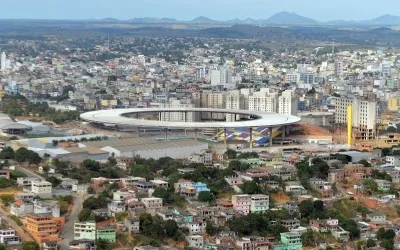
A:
[322,10]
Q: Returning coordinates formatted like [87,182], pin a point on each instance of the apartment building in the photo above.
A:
[9,237]
[263,102]
[212,100]
[152,202]
[41,187]
[363,116]
[259,203]
[287,103]
[241,203]
[43,227]
[178,116]
[85,230]
[235,100]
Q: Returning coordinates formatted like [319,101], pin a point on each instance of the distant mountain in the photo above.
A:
[148,20]
[385,20]
[203,20]
[289,18]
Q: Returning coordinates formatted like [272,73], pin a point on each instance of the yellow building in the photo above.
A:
[393,104]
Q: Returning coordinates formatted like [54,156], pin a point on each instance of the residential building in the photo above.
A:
[85,230]
[263,102]
[132,224]
[341,235]
[259,203]
[241,203]
[43,227]
[287,103]
[364,117]
[155,203]
[195,241]
[8,237]
[106,233]
[41,187]
[383,185]
[289,241]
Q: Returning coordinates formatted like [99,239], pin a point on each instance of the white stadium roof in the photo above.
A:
[119,117]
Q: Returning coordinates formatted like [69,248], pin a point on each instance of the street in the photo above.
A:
[67,233]
[19,230]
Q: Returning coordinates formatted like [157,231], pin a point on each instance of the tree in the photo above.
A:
[231,154]
[2,247]
[308,239]
[6,199]
[306,208]
[54,181]
[385,151]
[102,244]
[371,185]
[205,196]
[365,163]
[95,203]
[141,171]
[387,244]
[370,243]
[30,245]
[21,154]
[91,165]
[85,214]
[171,228]
[211,229]
[7,153]
[251,187]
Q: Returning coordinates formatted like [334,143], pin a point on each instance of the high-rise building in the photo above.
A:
[263,102]
[221,76]
[363,117]
[307,77]
[292,78]
[235,100]
[338,68]
[287,103]
[202,73]
[3,61]
[215,100]
[385,68]
[178,116]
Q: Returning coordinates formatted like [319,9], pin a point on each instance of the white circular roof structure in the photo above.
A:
[120,117]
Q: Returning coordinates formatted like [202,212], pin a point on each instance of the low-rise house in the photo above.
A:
[377,218]
[253,242]
[196,227]
[295,188]
[234,179]
[341,235]
[383,185]
[189,188]
[323,187]
[26,182]
[9,237]
[85,230]
[195,241]
[67,183]
[106,233]
[80,188]
[365,230]
[20,208]
[289,241]
[24,196]
[50,245]
[259,203]
[132,224]
[290,224]
[153,203]
[5,174]
[322,226]
[41,187]
[241,203]
[159,183]
[46,207]
[43,227]
[116,207]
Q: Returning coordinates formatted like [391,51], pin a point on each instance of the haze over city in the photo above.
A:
[187,10]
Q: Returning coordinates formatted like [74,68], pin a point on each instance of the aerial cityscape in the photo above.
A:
[165,131]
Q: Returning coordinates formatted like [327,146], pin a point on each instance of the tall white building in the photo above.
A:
[202,73]
[221,76]
[364,116]
[3,61]
[339,68]
[263,102]
[178,116]
[215,100]
[287,103]
[235,100]
[292,78]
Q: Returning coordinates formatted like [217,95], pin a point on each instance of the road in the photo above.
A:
[67,234]
[21,233]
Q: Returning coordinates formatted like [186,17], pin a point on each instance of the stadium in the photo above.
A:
[252,126]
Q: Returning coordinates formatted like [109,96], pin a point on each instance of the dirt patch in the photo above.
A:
[280,197]
[9,191]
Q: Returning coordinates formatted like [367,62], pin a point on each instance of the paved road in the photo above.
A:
[29,173]
[67,234]
[21,233]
